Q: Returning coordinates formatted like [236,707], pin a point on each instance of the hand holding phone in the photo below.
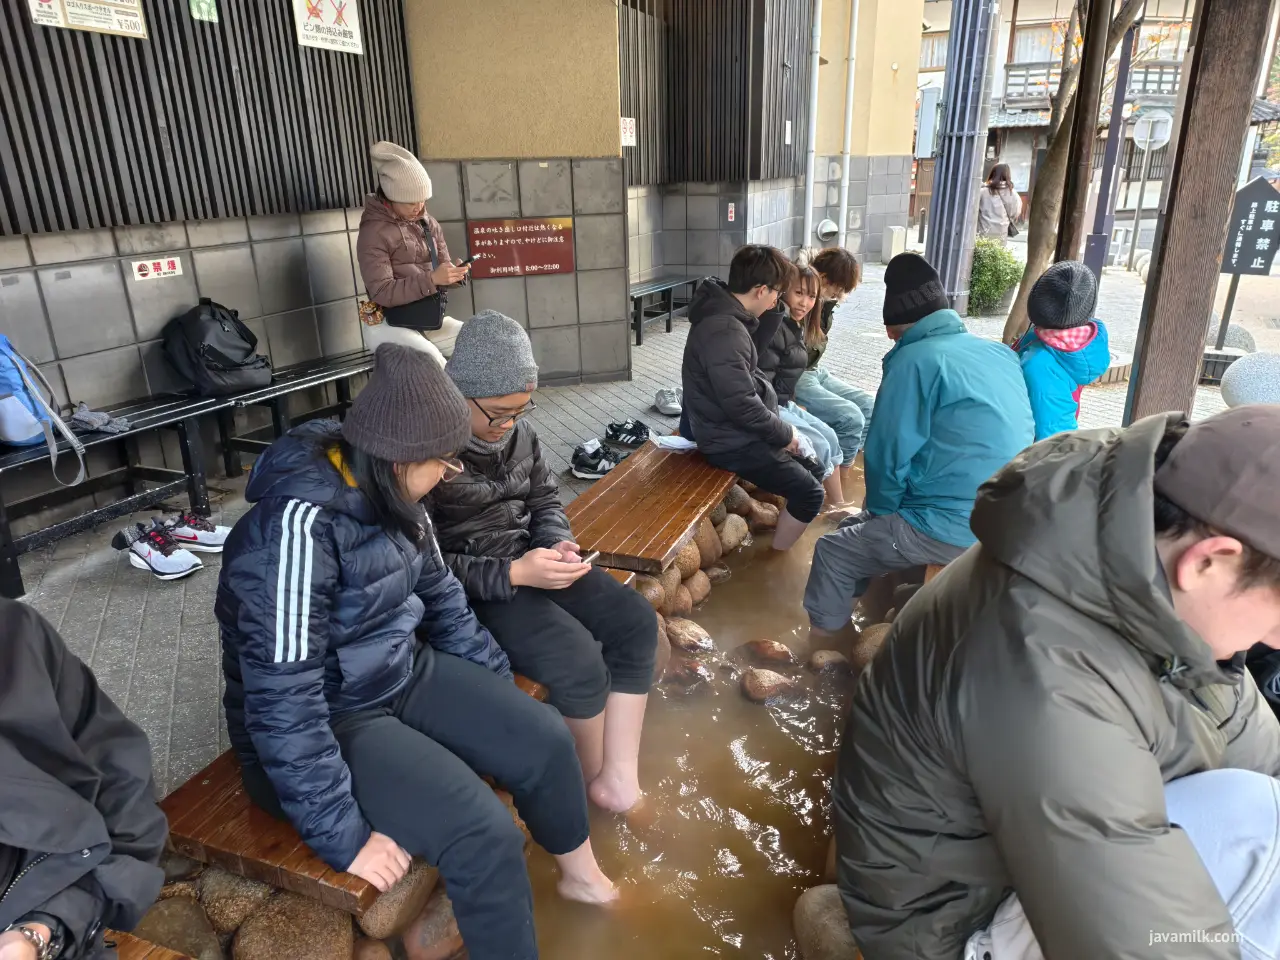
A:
[591,557]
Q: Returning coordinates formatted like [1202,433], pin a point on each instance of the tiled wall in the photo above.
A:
[879,197]
[578,321]
[698,236]
[644,233]
[775,213]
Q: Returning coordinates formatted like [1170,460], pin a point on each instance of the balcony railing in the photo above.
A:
[1030,85]
[1159,78]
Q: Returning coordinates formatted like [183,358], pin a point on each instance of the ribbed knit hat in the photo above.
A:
[409,411]
[912,290]
[402,178]
[1064,296]
[492,357]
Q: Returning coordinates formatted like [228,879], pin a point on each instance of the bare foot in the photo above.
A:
[612,793]
[597,890]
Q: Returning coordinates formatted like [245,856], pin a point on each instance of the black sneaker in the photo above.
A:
[629,433]
[592,460]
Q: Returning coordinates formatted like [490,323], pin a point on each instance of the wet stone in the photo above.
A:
[773,499]
[764,516]
[662,656]
[718,513]
[670,579]
[180,924]
[681,605]
[230,900]
[180,888]
[685,673]
[822,926]
[394,910]
[829,661]
[687,637]
[904,592]
[737,501]
[769,652]
[718,573]
[293,927]
[699,586]
[651,589]
[870,641]
[434,935]
[371,950]
[177,867]
[760,685]
[688,560]
[708,542]
[733,532]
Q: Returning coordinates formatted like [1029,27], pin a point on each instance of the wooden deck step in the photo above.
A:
[624,577]
[129,947]
[647,508]
[211,819]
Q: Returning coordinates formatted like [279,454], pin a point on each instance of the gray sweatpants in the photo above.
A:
[864,547]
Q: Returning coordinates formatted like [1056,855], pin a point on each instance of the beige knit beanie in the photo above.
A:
[401,176]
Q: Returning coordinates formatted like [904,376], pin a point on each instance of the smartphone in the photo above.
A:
[591,557]
[471,259]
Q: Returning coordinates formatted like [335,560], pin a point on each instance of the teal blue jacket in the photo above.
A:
[1055,378]
[951,411]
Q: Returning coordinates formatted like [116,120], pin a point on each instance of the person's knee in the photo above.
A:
[634,645]
[804,503]
[489,837]
[582,692]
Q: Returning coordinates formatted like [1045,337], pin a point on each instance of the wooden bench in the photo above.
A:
[284,382]
[211,819]
[624,577]
[180,414]
[667,287]
[647,508]
[129,947]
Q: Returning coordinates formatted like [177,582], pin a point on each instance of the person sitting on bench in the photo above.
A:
[363,698]
[1019,728]
[731,406]
[951,411]
[80,831]
[569,625]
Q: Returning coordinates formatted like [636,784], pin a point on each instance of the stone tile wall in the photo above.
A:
[879,197]
[775,213]
[644,233]
[698,236]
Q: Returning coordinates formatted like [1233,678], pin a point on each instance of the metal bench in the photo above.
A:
[647,508]
[180,414]
[288,380]
[663,285]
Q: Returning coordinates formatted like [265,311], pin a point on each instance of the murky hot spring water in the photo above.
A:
[739,794]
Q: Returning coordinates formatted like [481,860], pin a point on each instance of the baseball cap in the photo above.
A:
[1226,472]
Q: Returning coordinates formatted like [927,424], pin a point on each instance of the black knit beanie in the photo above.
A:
[1064,296]
[912,290]
[409,411]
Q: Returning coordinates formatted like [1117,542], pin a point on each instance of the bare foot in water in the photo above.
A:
[614,794]
[598,889]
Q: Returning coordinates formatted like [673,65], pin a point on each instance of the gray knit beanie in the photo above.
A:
[401,176]
[409,411]
[492,357]
[1063,297]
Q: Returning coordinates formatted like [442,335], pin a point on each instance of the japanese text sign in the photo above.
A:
[122,17]
[520,248]
[329,25]
[1252,232]
[157,268]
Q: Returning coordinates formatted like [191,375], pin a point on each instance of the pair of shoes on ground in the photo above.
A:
[669,401]
[168,547]
[592,460]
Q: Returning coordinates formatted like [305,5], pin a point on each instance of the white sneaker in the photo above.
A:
[157,551]
[669,401]
[196,533]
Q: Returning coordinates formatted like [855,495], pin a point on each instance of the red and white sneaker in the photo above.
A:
[196,533]
[157,551]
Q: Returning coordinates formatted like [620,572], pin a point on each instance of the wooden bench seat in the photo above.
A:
[129,947]
[647,508]
[624,577]
[211,819]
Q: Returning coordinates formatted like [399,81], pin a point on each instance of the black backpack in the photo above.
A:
[213,351]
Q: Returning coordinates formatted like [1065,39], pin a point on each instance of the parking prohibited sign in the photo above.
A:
[1253,231]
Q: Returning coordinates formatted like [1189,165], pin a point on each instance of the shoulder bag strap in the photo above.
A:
[54,422]
[431,244]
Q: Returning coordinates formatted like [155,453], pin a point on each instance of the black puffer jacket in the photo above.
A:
[1264,664]
[784,357]
[80,831]
[731,405]
[505,504]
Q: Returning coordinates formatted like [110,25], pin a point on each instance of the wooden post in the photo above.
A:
[1084,130]
[1216,102]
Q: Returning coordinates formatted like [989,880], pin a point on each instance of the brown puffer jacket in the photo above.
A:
[1016,728]
[394,260]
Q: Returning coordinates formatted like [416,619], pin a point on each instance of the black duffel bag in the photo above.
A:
[428,312]
[214,351]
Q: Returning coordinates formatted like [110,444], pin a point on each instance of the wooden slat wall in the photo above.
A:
[199,121]
[784,89]
[642,59]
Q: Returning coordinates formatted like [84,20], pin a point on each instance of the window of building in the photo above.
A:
[1035,44]
[1165,40]
[933,51]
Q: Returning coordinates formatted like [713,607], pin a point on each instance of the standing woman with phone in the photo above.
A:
[404,260]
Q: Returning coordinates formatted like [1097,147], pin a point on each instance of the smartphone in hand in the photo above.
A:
[591,557]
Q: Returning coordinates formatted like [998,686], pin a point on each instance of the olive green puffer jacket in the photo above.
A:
[1016,728]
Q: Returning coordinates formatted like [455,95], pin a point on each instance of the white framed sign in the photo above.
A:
[628,131]
[329,25]
[120,17]
[158,267]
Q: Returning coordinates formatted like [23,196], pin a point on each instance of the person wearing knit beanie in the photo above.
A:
[563,622]
[912,290]
[1065,349]
[376,700]
[401,176]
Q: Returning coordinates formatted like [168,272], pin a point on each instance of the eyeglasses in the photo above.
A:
[453,468]
[505,419]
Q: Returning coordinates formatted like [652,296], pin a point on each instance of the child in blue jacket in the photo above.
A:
[1066,348]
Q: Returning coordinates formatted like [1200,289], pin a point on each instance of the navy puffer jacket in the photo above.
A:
[322,612]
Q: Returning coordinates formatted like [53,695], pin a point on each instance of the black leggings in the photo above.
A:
[780,473]
[415,773]
[593,638]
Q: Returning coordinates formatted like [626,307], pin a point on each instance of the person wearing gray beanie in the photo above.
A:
[364,699]
[1066,348]
[563,622]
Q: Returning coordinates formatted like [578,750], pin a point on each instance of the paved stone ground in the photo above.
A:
[154,645]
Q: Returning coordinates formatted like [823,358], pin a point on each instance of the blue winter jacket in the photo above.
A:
[951,411]
[1055,377]
[321,613]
